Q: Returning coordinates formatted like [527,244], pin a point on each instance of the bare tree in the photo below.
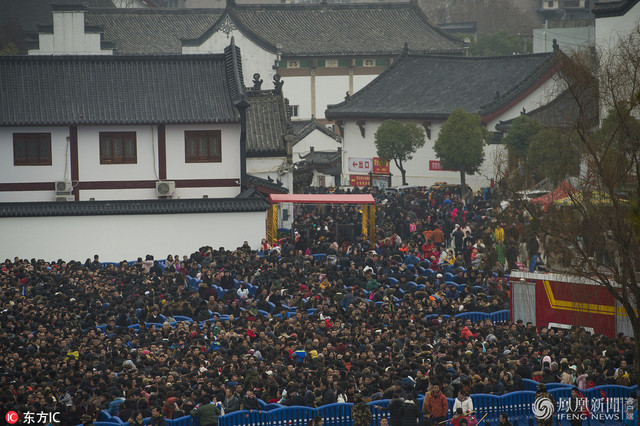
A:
[593,230]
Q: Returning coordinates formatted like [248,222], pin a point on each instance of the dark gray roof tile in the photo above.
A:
[267,124]
[344,29]
[302,129]
[85,90]
[271,185]
[151,31]
[607,9]
[130,207]
[430,87]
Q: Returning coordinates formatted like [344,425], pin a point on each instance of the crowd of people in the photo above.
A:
[276,323]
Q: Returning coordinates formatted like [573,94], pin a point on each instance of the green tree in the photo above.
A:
[519,136]
[398,141]
[553,155]
[460,144]
[496,44]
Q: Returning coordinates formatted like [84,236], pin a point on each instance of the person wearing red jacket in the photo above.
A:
[435,406]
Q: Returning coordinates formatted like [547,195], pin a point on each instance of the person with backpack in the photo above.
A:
[410,411]
[207,411]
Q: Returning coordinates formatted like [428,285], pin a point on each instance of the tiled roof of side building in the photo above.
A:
[565,111]
[293,29]
[267,124]
[343,29]
[430,87]
[151,31]
[130,207]
[302,129]
[31,13]
[105,89]
[606,9]
[321,157]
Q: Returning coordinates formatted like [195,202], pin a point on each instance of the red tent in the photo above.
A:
[564,190]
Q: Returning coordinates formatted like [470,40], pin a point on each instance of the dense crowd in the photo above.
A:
[278,324]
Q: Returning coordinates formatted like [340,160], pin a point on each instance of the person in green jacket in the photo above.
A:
[207,411]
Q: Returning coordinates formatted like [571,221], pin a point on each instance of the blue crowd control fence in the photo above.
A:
[500,316]
[491,405]
[607,399]
[335,414]
[378,415]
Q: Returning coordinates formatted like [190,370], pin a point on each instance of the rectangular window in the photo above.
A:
[294,110]
[118,148]
[32,149]
[202,146]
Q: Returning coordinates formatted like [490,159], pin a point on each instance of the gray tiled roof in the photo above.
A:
[430,87]
[563,111]
[267,123]
[607,9]
[274,186]
[321,157]
[294,29]
[85,90]
[31,13]
[151,31]
[302,129]
[130,207]
[342,29]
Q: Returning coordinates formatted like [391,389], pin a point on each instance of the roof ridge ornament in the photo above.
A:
[405,48]
[227,26]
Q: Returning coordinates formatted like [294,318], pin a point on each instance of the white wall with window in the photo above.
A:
[298,91]
[113,153]
[14,169]
[228,168]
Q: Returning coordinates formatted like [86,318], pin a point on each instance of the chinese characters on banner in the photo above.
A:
[435,165]
[359,180]
[380,166]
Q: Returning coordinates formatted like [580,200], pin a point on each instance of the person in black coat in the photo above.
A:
[410,411]
[395,408]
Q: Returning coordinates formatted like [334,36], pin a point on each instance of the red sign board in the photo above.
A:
[380,166]
[575,303]
[435,165]
[359,180]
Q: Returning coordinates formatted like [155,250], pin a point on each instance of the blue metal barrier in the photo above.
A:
[488,404]
[473,316]
[517,405]
[530,385]
[335,414]
[378,415]
[500,316]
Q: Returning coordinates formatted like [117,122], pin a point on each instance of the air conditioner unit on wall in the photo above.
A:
[63,198]
[63,186]
[165,189]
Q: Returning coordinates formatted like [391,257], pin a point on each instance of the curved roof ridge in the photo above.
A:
[550,62]
[373,82]
[237,21]
[234,75]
